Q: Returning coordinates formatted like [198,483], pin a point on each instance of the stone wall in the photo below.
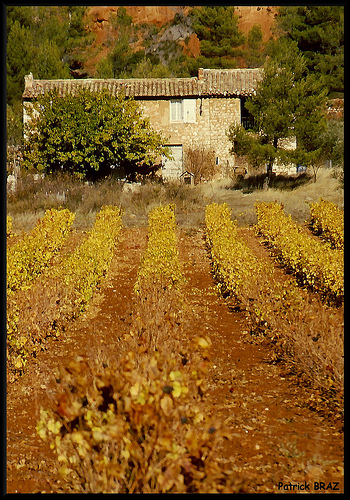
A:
[27,111]
[213,119]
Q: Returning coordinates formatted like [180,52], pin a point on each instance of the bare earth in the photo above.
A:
[276,439]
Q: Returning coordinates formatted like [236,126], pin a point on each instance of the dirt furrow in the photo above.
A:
[275,439]
[31,466]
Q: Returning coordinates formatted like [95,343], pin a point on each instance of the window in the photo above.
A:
[183,110]
[176,111]
[247,120]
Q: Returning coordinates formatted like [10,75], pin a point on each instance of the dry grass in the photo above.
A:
[295,199]
[32,199]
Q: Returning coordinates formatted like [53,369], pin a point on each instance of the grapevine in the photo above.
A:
[84,269]
[234,265]
[327,220]
[313,262]
[279,311]
[9,224]
[28,258]
[155,416]
[160,262]
[65,292]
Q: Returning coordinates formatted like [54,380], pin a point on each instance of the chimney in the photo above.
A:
[200,74]
[28,81]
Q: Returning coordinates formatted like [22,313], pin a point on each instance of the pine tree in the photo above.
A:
[43,40]
[217,29]
[319,33]
[288,102]
[254,55]
[18,60]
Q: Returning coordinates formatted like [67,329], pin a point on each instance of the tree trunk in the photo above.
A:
[268,178]
[270,163]
[315,170]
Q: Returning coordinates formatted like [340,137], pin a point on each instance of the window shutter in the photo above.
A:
[189,110]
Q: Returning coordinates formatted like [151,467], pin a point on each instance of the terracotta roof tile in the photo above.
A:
[212,82]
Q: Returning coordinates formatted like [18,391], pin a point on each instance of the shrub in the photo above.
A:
[202,163]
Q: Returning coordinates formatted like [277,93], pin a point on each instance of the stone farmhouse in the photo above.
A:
[192,113]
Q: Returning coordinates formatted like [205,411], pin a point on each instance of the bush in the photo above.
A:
[202,163]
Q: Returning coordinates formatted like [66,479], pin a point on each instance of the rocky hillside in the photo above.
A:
[157,26]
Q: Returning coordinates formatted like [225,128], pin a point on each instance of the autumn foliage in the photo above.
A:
[43,307]
[313,262]
[327,220]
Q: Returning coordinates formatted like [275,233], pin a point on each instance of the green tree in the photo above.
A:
[316,141]
[319,33]
[333,139]
[48,41]
[217,29]
[49,61]
[123,18]
[121,61]
[78,38]
[145,69]
[89,134]
[288,103]
[45,40]
[18,59]
[255,54]
[14,124]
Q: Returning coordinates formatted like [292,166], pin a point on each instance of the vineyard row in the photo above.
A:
[42,310]
[27,259]
[315,264]
[327,220]
[138,425]
[160,261]
[301,329]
